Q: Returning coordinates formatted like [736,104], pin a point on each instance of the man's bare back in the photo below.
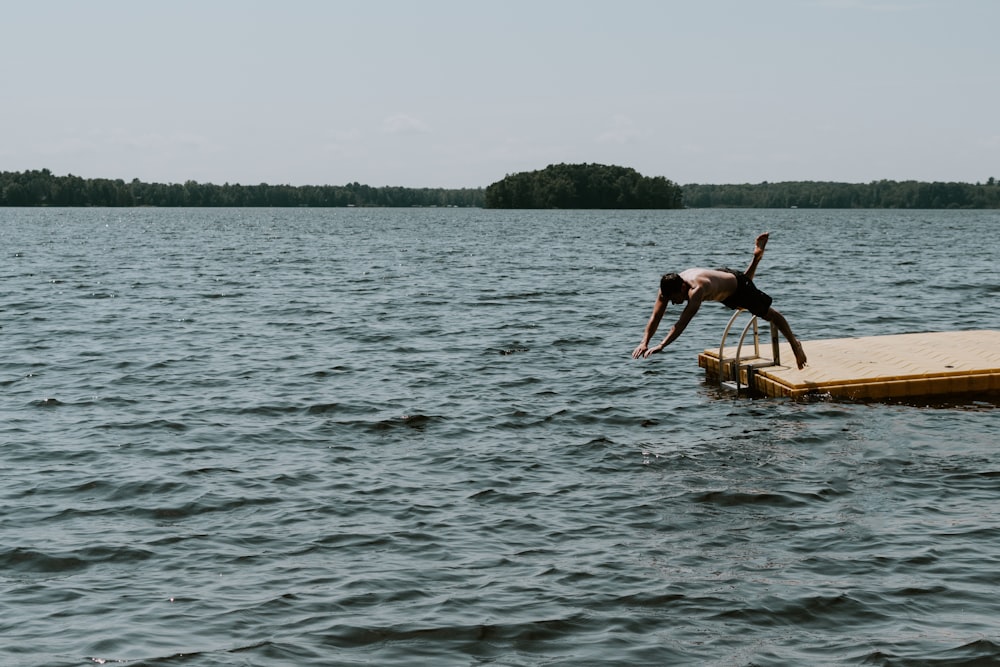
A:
[711,284]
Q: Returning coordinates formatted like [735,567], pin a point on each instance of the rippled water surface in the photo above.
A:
[398,437]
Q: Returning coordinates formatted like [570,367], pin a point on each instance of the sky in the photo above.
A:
[461,93]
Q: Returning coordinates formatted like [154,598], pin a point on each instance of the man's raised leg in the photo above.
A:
[758,253]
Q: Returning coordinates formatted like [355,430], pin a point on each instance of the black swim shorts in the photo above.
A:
[747,296]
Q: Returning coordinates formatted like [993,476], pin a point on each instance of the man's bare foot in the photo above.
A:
[800,354]
[760,243]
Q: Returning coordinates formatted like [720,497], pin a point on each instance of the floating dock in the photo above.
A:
[876,367]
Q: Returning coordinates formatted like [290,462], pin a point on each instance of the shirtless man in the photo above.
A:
[733,288]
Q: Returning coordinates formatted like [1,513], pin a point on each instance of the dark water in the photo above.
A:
[399,437]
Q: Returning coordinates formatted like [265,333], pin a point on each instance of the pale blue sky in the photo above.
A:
[459,93]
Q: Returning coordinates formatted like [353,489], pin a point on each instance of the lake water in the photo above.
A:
[400,437]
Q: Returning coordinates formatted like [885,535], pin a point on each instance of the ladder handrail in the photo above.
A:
[725,334]
[739,348]
[735,362]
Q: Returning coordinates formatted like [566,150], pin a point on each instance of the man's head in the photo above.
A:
[672,288]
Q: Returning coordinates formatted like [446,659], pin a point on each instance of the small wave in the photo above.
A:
[842,609]
[30,560]
[26,560]
[417,422]
[980,653]
[506,351]
[113,490]
[47,403]
[269,410]
[654,600]
[153,424]
[322,408]
[267,650]
[203,506]
[220,295]
[333,370]
[533,631]
[736,498]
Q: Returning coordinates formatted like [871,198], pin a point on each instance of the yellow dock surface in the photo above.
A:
[876,367]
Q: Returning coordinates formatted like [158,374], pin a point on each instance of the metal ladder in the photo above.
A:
[731,369]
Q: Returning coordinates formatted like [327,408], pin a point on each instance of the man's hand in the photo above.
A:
[643,352]
[653,350]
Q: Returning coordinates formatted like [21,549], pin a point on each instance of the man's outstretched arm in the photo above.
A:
[758,252]
[690,310]
[659,308]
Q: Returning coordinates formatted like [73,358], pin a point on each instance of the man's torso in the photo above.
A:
[715,285]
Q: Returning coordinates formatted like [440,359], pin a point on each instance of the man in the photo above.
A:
[733,288]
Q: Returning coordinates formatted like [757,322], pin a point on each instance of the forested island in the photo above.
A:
[583,186]
[557,186]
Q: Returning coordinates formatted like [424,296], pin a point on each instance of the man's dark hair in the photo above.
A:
[670,283]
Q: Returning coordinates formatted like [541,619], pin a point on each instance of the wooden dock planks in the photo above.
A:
[880,367]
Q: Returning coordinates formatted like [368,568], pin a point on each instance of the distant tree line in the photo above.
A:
[583,186]
[42,188]
[557,186]
[877,194]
